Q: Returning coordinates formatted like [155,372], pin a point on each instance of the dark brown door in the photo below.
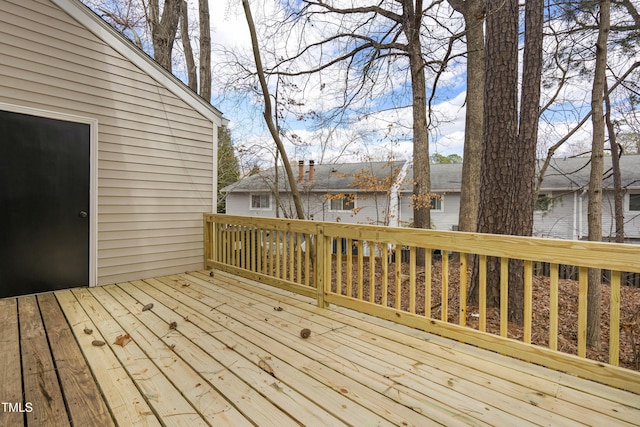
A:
[44,204]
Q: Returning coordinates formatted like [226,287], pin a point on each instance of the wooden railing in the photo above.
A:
[366,268]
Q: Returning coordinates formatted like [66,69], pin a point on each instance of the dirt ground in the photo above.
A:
[567,308]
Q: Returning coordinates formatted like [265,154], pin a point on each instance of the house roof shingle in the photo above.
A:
[562,174]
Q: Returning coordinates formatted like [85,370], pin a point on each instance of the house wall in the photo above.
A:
[315,205]
[445,219]
[561,221]
[155,152]
[632,219]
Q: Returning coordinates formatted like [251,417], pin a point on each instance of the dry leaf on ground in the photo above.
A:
[122,340]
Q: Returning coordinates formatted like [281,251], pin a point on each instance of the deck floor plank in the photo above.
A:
[235,357]
[10,368]
[249,344]
[337,370]
[82,396]
[397,374]
[41,387]
[556,392]
[127,404]
[164,398]
[204,396]
[273,392]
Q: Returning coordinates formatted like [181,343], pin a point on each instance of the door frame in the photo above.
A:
[93,173]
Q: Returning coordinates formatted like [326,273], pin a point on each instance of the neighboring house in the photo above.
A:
[346,192]
[107,161]
[561,211]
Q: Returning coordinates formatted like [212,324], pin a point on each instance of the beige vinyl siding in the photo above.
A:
[155,152]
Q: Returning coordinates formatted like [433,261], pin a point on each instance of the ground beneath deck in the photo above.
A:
[225,351]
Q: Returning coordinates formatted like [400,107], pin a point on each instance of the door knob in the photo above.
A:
[83,214]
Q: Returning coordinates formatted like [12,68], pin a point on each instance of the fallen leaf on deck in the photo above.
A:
[97,343]
[147,307]
[122,340]
[88,331]
[173,325]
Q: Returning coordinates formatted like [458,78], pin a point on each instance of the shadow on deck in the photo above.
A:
[227,351]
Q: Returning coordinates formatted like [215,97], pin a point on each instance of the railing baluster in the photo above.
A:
[428,263]
[614,319]
[444,296]
[230,231]
[504,296]
[462,312]
[482,296]
[385,274]
[372,271]
[290,236]
[262,251]
[277,247]
[412,279]
[307,260]
[360,269]
[583,284]
[243,246]
[398,279]
[298,258]
[338,242]
[553,306]
[234,252]
[528,296]
[349,267]
[270,253]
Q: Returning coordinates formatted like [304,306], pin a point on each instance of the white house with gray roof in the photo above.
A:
[338,192]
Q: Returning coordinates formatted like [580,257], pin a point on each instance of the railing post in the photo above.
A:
[207,240]
[322,272]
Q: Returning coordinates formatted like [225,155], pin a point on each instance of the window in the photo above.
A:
[342,202]
[634,202]
[436,203]
[260,201]
[543,203]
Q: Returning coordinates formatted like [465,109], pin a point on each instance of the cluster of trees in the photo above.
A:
[334,64]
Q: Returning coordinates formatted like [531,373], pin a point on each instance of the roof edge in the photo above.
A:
[100,28]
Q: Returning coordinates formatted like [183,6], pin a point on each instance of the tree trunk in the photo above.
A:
[618,193]
[268,112]
[411,19]
[163,29]
[205,51]
[500,156]
[525,167]
[594,209]
[192,76]
[473,13]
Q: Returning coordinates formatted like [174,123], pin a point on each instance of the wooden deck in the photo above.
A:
[234,356]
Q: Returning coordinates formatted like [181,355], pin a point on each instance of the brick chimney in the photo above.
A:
[300,170]
[311,170]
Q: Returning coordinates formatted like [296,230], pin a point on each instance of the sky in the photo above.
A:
[376,134]
[229,28]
